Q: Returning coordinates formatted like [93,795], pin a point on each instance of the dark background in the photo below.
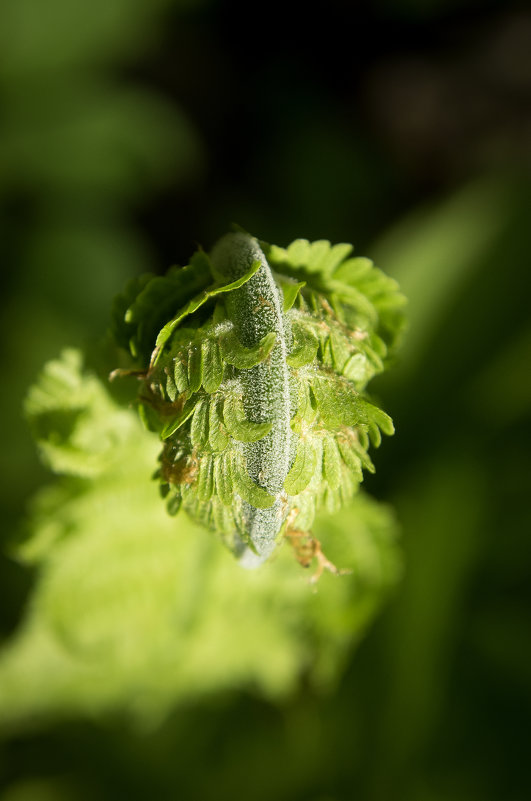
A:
[132,131]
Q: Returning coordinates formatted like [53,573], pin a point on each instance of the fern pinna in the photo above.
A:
[253,362]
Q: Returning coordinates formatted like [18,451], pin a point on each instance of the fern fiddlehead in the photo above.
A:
[256,311]
[256,383]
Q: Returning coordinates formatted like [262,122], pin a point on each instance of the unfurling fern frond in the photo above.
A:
[255,361]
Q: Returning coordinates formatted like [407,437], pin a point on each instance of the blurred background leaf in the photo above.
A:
[137,610]
[131,131]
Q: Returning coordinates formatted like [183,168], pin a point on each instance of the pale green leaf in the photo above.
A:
[217,432]
[174,503]
[340,349]
[150,301]
[350,456]
[73,419]
[199,426]
[233,352]
[195,368]
[352,271]
[150,419]
[197,302]
[171,389]
[380,418]
[238,426]
[212,365]
[137,612]
[306,412]
[323,391]
[375,435]
[355,297]
[205,478]
[180,372]
[360,450]
[318,257]
[223,479]
[290,292]
[247,489]
[302,469]
[358,369]
[331,462]
[304,347]
[176,422]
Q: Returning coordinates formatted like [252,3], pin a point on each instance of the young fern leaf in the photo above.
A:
[255,379]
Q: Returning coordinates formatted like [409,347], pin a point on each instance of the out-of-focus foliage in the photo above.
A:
[73,34]
[138,610]
[81,151]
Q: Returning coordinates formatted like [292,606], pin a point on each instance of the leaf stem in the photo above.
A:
[256,309]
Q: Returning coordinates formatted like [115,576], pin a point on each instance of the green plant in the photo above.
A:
[256,384]
[135,609]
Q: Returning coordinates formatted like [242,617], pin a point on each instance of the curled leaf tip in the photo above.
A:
[258,358]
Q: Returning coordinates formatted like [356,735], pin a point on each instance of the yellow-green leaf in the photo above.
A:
[302,469]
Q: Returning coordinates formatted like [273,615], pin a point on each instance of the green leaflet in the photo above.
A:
[361,274]
[73,420]
[223,479]
[354,297]
[196,302]
[205,479]
[238,426]
[325,349]
[350,456]
[325,400]
[315,257]
[359,279]
[304,347]
[382,420]
[175,502]
[246,488]
[212,365]
[332,499]
[200,511]
[360,450]
[306,508]
[352,408]
[217,432]
[186,412]
[358,369]
[199,427]
[180,372]
[375,435]
[150,418]
[123,331]
[152,300]
[177,361]
[223,521]
[195,368]
[340,404]
[233,352]
[355,282]
[352,270]
[306,412]
[331,462]
[171,389]
[290,292]
[363,438]
[302,469]
[341,350]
